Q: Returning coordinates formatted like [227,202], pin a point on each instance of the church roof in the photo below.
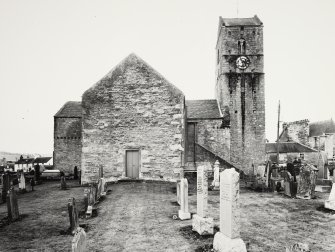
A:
[288,147]
[132,60]
[321,127]
[254,21]
[70,109]
[203,109]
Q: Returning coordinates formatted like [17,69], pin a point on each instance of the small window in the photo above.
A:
[242,28]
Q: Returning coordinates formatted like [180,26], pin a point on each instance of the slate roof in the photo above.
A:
[321,127]
[25,161]
[42,160]
[288,147]
[70,109]
[254,21]
[203,109]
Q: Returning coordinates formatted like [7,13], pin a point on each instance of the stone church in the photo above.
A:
[134,123]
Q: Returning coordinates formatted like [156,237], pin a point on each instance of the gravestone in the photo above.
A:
[12,205]
[73,214]
[201,223]
[79,241]
[91,199]
[228,239]
[306,181]
[178,192]
[183,213]
[99,188]
[101,171]
[62,183]
[103,187]
[330,203]
[216,181]
[79,177]
[22,183]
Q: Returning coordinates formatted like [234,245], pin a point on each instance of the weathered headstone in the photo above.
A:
[91,199]
[63,183]
[12,205]
[103,187]
[73,214]
[330,203]
[306,181]
[228,239]
[201,223]
[79,241]
[183,213]
[101,171]
[22,183]
[178,192]
[216,180]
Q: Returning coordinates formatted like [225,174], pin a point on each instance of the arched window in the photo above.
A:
[241,46]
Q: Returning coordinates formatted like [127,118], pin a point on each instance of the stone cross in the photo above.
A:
[183,213]
[216,181]
[228,239]
[79,241]
[178,192]
[22,183]
[202,191]
[12,205]
[73,214]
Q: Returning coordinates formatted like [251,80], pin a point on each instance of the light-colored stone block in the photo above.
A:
[229,207]
[183,215]
[202,191]
[178,192]
[222,243]
[330,203]
[202,225]
[216,180]
[79,241]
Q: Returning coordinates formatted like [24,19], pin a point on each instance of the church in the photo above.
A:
[136,124]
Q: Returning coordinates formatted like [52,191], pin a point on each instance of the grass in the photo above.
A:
[139,217]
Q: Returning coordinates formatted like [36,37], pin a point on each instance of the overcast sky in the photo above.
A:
[51,51]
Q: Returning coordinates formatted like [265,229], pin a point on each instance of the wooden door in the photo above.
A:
[132,163]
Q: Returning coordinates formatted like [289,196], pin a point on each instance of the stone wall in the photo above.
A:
[298,131]
[133,108]
[241,94]
[67,144]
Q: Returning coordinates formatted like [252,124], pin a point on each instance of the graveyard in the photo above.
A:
[143,216]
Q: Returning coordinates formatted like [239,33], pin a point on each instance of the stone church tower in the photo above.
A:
[240,88]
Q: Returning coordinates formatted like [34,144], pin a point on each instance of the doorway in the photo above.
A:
[132,163]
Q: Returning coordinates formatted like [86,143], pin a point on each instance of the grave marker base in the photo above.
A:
[202,225]
[330,204]
[223,243]
[184,216]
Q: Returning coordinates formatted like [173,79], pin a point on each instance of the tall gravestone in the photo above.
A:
[73,214]
[79,241]
[228,239]
[201,223]
[22,183]
[306,182]
[101,171]
[12,205]
[216,180]
[178,192]
[103,187]
[330,203]
[183,213]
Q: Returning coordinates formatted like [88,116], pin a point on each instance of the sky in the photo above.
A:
[51,51]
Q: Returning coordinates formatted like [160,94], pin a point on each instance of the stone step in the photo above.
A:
[322,188]
[324,182]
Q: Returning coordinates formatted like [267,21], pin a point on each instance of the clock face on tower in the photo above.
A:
[242,62]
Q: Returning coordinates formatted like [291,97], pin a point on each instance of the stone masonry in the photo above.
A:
[240,92]
[133,108]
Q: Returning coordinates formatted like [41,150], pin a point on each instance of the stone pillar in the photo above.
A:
[330,203]
[183,213]
[12,205]
[79,241]
[228,239]
[73,214]
[178,192]
[216,181]
[200,221]
[22,183]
